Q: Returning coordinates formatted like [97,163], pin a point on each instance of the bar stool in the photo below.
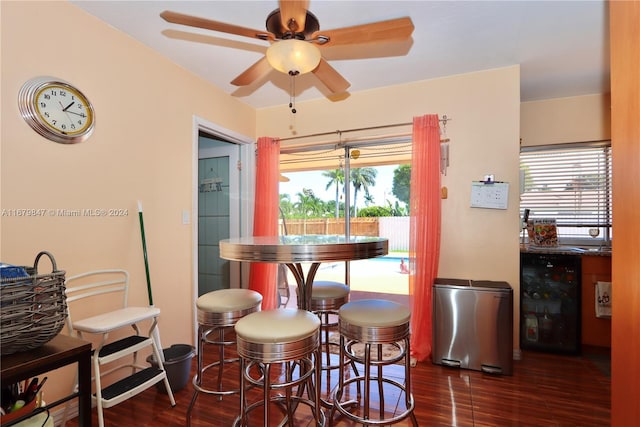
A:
[326,299]
[374,323]
[289,337]
[217,312]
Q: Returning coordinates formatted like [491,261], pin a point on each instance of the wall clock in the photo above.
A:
[56,110]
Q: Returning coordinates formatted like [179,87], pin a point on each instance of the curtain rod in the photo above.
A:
[444,119]
[351,142]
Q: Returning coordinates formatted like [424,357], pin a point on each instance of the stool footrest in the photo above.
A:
[131,385]
[295,400]
[389,360]
[125,346]
[197,379]
[342,406]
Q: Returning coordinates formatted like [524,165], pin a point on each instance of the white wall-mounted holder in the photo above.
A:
[489,194]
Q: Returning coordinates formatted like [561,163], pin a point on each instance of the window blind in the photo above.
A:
[570,183]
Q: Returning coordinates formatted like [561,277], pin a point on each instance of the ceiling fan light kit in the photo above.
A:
[293,56]
[297,41]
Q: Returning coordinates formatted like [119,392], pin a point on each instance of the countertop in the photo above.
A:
[566,250]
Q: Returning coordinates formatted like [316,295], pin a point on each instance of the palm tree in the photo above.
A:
[362,178]
[368,199]
[336,177]
[308,204]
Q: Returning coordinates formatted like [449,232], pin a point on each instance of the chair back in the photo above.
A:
[94,284]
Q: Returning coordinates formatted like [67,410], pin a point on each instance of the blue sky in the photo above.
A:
[315,181]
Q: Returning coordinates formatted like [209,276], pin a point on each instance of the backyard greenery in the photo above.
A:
[307,205]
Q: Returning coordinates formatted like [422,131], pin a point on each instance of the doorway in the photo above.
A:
[217,216]
[221,207]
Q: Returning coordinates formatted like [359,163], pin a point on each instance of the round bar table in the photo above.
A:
[294,250]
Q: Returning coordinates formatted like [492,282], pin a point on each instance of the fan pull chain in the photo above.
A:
[292,90]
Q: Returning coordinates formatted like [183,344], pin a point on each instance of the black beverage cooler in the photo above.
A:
[550,302]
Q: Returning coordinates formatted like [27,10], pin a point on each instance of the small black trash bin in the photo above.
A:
[177,363]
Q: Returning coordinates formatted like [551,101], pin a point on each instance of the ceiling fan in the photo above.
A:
[292,24]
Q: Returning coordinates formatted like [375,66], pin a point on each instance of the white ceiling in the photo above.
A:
[561,46]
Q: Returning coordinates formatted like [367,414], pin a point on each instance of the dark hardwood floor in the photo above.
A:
[544,390]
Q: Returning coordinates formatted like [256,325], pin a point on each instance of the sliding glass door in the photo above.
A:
[356,189]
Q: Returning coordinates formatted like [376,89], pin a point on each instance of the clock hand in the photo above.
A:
[77,114]
[64,110]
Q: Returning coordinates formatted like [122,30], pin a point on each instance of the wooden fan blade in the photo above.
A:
[208,24]
[330,77]
[293,14]
[393,29]
[253,73]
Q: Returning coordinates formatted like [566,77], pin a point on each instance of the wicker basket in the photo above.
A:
[33,309]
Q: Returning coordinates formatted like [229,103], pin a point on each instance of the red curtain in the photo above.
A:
[263,276]
[424,239]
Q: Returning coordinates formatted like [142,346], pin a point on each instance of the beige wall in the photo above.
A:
[484,133]
[561,120]
[141,150]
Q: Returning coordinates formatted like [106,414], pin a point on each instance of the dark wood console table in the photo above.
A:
[60,351]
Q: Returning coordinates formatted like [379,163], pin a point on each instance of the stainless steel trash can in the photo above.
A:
[473,325]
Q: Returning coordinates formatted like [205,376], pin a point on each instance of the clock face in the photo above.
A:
[63,109]
[56,110]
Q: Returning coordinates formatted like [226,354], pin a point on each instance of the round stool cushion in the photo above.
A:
[228,300]
[326,289]
[375,313]
[277,326]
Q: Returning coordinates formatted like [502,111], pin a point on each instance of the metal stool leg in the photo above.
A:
[204,332]
[408,396]
[221,359]
[198,377]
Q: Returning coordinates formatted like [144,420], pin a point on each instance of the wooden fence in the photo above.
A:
[395,228]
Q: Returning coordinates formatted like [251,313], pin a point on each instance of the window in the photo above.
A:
[572,184]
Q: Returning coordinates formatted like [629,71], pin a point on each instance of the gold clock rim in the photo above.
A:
[77,93]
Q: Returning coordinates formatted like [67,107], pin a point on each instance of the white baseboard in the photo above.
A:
[58,414]
[517,354]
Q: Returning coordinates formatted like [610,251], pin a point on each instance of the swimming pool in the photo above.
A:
[381,274]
